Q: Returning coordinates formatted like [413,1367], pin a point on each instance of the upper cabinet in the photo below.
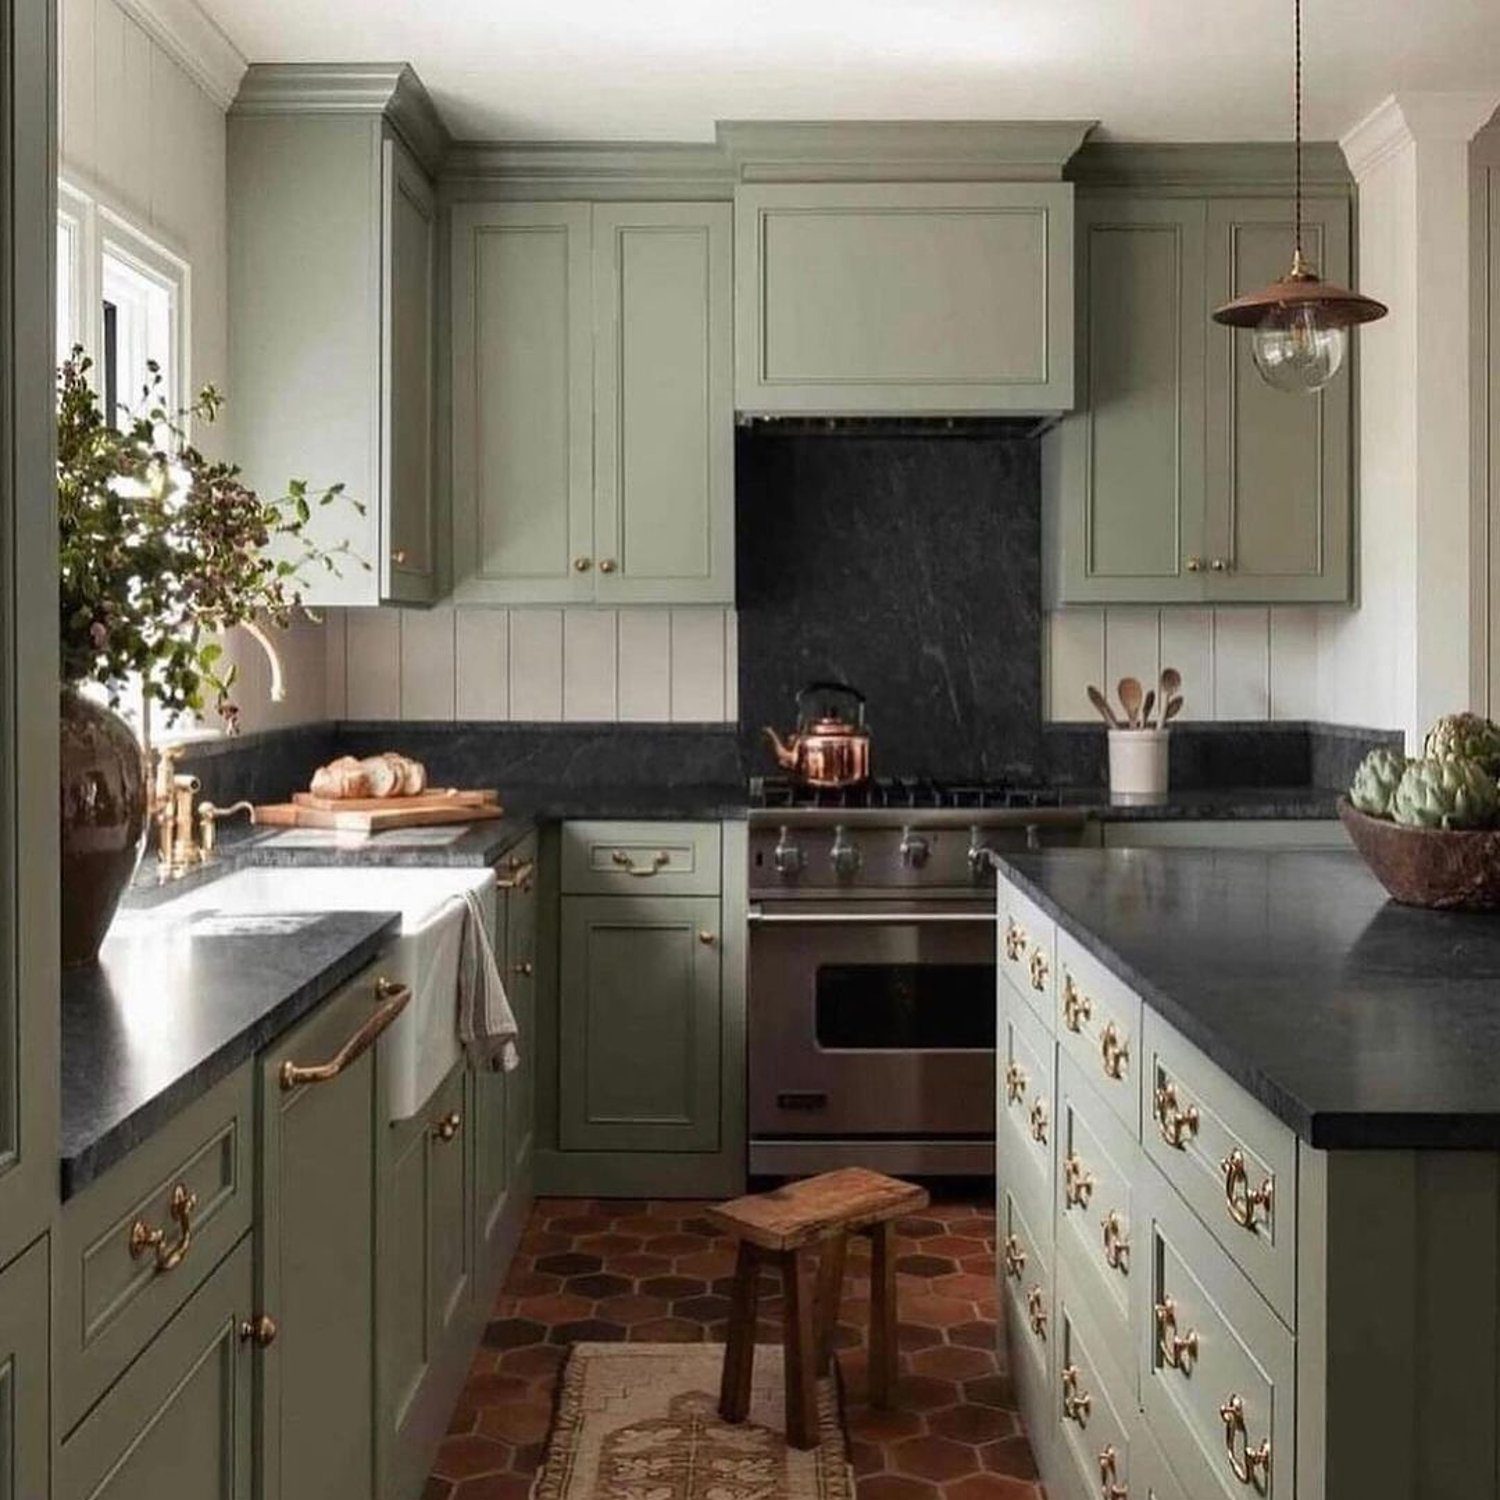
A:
[1183,477]
[894,298]
[332,312]
[593,423]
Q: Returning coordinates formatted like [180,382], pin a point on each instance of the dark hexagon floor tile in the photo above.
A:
[673,1288]
[461,1457]
[632,1307]
[916,1336]
[925,1266]
[577,1224]
[897,1487]
[925,1393]
[535,1359]
[702,1309]
[918,1229]
[972,1424]
[705,1227]
[992,1390]
[513,1333]
[586,1331]
[568,1263]
[600,1284]
[979,1335]
[989,1487]
[667,1331]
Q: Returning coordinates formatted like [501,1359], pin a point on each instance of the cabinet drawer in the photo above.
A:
[1026,1091]
[1096,1417]
[1098,1023]
[193,1182]
[1153,1476]
[640,859]
[1025,1273]
[1231,1160]
[1217,1365]
[1028,940]
[1098,1167]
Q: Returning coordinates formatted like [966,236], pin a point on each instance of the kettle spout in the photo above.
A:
[786,750]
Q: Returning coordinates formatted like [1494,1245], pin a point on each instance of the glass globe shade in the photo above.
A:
[1296,349]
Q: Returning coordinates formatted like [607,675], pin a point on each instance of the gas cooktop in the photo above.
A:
[900,794]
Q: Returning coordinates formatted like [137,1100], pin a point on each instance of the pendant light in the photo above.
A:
[1301,323]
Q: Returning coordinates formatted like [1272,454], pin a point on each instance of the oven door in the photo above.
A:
[872,1019]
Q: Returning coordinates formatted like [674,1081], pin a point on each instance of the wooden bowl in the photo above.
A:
[1451,870]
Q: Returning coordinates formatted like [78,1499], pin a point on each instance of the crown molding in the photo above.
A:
[1248,168]
[391,90]
[900,150]
[1419,118]
[190,37]
[603,170]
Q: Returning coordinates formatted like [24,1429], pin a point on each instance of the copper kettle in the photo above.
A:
[829,748]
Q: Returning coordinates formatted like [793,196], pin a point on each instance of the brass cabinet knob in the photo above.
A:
[607,565]
[1254,1468]
[399,557]
[707,938]
[1194,563]
[447,1127]
[525,970]
[261,1330]
[1218,565]
[582,564]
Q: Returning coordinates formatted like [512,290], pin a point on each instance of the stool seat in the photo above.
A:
[800,1213]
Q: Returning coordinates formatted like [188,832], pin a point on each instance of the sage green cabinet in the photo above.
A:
[639,1023]
[178,1422]
[900,298]
[1183,477]
[592,443]
[23,1376]
[521,982]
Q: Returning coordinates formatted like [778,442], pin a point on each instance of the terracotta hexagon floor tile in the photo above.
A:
[587,1331]
[872,1426]
[492,1389]
[675,1244]
[531,1284]
[1010,1455]
[527,1459]
[979,1334]
[613,1243]
[675,1287]
[964,1284]
[936,1311]
[956,1247]
[537,1242]
[935,1458]
[667,1331]
[538,1359]
[708,1264]
[897,1487]
[990,1487]
[495,1487]
[513,1333]
[600,1284]
[640,1264]
[964,1424]
[925,1266]
[461,1457]
[633,1307]
[558,1308]
[951,1362]
[992,1390]
[866,1458]
[516,1422]
[577,1224]
[911,1336]
[569,1263]
[925,1393]
[979,1265]
[436,1489]
[918,1229]
[705,1309]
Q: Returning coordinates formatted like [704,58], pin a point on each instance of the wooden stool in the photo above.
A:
[783,1228]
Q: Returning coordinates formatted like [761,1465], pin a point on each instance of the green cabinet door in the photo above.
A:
[178,1422]
[316,1267]
[1125,471]
[493,1153]
[1278,465]
[663,403]
[521,983]
[639,1024]
[522,402]
[23,1376]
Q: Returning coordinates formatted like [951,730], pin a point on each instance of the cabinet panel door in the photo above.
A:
[663,403]
[490,1089]
[1278,465]
[409,246]
[178,1421]
[1126,470]
[448,1229]
[23,1376]
[639,1024]
[522,350]
[520,983]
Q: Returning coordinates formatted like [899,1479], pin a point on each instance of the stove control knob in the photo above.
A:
[981,856]
[844,856]
[787,857]
[914,849]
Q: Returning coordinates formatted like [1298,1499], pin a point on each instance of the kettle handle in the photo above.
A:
[831,687]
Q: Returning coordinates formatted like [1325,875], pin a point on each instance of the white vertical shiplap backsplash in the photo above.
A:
[1240,663]
[533,664]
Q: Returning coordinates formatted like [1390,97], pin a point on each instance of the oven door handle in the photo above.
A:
[760,918]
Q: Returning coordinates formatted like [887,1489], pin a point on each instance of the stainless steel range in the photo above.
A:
[872,971]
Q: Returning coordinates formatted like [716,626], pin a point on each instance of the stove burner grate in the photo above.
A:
[897,792]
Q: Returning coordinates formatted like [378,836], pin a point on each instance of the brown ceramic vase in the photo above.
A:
[103,814]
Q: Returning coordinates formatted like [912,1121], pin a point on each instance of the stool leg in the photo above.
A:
[739,1350]
[830,1291]
[882,1314]
[800,1352]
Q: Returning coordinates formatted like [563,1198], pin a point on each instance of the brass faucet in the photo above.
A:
[185,834]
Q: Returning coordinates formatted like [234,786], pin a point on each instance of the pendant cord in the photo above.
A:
[1297,109]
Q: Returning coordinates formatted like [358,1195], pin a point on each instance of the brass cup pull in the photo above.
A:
[1116,1241]
[1243,1201]
[659,861]
[1177,1125]
[1251,1466]
[1076,1402]
[525,969]
[447,1128]
[1114,1052]
[1015,940]
[517,876]
[1038,1122]
[1177,1350]
[1109,1486]
[607,565]
[1040,969]
[261,1330]
[393,998]
[149,1239]
[1036,1311]
[1015,1082]
[1015,1257]
[1077,1007]
[1078,1181]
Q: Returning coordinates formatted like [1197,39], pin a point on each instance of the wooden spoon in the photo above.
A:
[1130,700]
[1102,704]
[1173,708]
[1169,685]
[1147,707]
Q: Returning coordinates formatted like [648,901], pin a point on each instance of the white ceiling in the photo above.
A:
[667,69]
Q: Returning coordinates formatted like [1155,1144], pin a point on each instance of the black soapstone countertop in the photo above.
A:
[1358,1022]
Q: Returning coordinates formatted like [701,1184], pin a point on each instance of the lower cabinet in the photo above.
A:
[178,1422]
[23,1375]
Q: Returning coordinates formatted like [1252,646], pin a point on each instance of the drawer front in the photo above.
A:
[1098,1023]
[1231,1160]
[1025,1274]
[640,859]
[1216,1364]
[1095,1416]
[117,1283]
[1027,1106]
[1098,1166]
[1153,1476]
[1028,941]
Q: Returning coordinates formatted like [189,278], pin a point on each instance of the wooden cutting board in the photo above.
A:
[444,797]
[379,814]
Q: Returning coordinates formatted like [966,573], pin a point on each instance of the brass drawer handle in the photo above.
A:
[1076,1403]
[659,861]
[261,1330]
[1015,1082]
[1078,1181]
[1015,940]
[1254,1467]
[446,1128]
[394,999]
[1040,969]
[1038,1121]
[1036,1311]
[1116,1242]
[1077,1007]
[517,876]
[1015,1257]
[148,1239]
[1240,1198]
[525,969]
[1177,1350]
[1114,1052]
[1109,1488]
[1177,1125]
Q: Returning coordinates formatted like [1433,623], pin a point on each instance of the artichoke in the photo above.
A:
[1467,737]
[1448,793]
[1376,780]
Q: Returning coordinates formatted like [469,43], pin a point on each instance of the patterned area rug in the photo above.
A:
[639,1422]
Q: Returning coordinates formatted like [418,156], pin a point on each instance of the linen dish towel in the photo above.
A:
[486,1024]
